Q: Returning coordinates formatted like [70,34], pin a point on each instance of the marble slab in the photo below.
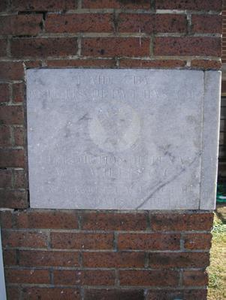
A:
[122,139]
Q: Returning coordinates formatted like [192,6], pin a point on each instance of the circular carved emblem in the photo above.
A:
[114,126]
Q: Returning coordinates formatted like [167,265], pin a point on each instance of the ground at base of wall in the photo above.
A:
[217,271]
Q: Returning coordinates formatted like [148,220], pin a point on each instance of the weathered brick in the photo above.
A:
[11,115]
[26,276]
[79,23]
[4,92]
[148,278]
[13,292]
[146,23]
[20,24]
[20,180]
[3,47]
[5,178]
[46,219]
[179,260]
[11,71]
[12,158]
[179,46]
[48,258]
[18,92]
[19,136]
[3,5]
[111,47]
[13,198]
[24,239]
[42,5]
[43,47]
[9,257]
[191,4]
[114,221]
[113,260]
[129,4]
[84,277]
[181,221]
[138,63]
[85,240]
[5,136]
[85,63]
[50,293]
[197,241]
[108,294]
[148,241]
[195,278]
[206,64]
[6,218]
[206,24]
[177,294]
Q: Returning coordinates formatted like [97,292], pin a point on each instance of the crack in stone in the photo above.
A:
[168,182]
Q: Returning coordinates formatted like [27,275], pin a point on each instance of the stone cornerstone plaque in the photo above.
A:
[122,139]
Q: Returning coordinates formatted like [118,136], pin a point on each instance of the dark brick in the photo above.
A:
[108,294]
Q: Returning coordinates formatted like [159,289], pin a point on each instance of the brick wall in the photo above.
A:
[89,255]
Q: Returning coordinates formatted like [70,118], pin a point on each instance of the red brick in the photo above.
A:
[114,221]
[20,24]
[206,64]
[20,180]
[42,5]
[6,219]
[74,23]
[86,63]
[111,47]
[32,64]
[148,278]
[18,136]
[11,71]
[191,4]
[24,239]
[12,158]
[18,92]
[179,46]
[148,241]
[5,178]
[146,23]
[43,47]
[179,260]
[9,257]
[30,276]
[45,293]
[11,115]
[109,294]
[181,222]
[46,219]
[5,136]
[129,4]
[84,277]
[206,24]
[177,294]
[197,241]
[3,47]
[195,278]
[4,92]
[3,5]
[64,240]
[113,260]
[13,292]
[48,258]
[13,199]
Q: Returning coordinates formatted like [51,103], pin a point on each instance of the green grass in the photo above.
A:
[217,268]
